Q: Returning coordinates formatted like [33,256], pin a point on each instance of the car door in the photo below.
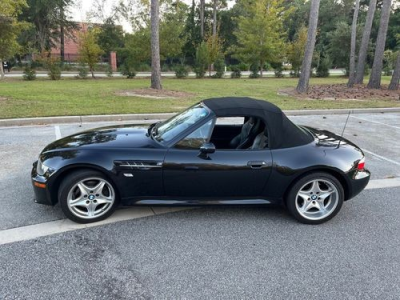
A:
[224,173]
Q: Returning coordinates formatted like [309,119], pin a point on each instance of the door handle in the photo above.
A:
[256,164]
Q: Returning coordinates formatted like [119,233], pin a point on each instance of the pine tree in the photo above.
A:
[155,47]
[302,86]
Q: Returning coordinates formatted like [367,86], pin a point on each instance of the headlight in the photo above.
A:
[42,169]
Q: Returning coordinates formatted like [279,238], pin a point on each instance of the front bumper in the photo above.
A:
[358,182]
[40,187]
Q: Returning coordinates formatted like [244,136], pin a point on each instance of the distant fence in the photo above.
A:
[69,58]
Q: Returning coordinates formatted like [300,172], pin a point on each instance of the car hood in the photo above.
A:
[124,136]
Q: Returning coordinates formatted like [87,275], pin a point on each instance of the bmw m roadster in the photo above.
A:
[225,151]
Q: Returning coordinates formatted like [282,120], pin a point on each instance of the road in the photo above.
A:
[203,253]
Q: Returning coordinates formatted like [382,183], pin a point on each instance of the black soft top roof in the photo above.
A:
[282,132]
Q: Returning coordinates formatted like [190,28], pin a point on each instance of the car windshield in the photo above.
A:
[169,129]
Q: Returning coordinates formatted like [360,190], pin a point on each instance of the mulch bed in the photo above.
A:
[154,94]
[342,92]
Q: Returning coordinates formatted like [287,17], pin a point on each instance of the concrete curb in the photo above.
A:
[137,118]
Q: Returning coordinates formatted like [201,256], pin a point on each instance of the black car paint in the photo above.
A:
[162,174]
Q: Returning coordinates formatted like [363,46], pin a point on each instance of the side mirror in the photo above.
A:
[207,148]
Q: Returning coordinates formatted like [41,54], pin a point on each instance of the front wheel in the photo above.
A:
[315,198]
[87,196]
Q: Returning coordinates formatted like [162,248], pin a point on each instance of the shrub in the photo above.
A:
[278,69]
[54,72]
[128,70]
[254,68]
[219,67]
[236,73]
[29,73]
[243,67]
[109,71]
[165,68]
[387,71]
[181,71]
[323,67]
[82,71]
[142,67]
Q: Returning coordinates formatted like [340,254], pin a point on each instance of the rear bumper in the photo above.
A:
[358,182]
[40,187]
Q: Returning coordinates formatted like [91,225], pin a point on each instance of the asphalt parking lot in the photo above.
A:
[205,253]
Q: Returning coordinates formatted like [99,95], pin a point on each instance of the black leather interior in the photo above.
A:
[261,140]
[245,138]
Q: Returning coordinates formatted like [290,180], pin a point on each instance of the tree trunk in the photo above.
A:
[62,37]
[376,72]
[302,86]
[215,18]
[1,70]
[261,68]
[394,83]
[362,54]
[155,47]
[352,64]
[202,5]
[92,72]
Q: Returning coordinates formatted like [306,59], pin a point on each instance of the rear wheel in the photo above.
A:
[87,196]
[315,198]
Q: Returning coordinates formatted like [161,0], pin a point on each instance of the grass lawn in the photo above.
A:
[43,97]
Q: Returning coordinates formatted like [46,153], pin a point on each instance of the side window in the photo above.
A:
[239,133]
[197,138]
[230,121]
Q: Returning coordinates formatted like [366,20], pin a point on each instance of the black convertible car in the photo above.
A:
[224,151]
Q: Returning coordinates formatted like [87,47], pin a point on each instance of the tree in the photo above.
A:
[214,45]
[362,54]
[49,21]
[352,64]
[155,46]
[214,17]
[302,86]
[192,35]
[9,29]
[172,26]
[339,45]
[201,60]
[111,36]
[88,48]
[260,32]
[394,82]
[376,72]
[202,8]
[295,53]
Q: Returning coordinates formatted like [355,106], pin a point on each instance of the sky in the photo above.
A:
[82,8]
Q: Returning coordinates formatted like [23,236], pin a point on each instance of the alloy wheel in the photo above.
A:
[91,198]
[317,199]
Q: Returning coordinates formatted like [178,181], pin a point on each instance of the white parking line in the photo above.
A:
[376,122]
[44,229]
[382,157]
[58,132]
[383,183]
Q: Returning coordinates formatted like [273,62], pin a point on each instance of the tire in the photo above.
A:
[315,198]
[87,196]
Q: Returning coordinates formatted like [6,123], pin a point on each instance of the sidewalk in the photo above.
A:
[71,74]
[145,118]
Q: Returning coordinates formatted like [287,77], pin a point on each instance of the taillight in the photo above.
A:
[361,164]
